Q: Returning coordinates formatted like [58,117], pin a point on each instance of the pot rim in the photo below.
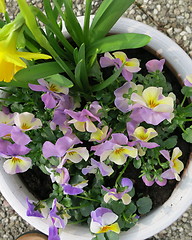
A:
[15,192]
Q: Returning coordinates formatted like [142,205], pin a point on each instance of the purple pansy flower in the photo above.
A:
[53,233]
[188,81]
[83,120]
[41,211]
[149,183]
[15,133]
[116,149]
[130,65]
[52,91]
[59,221]
[176,166]
[15,163]
[102,220]
[74,189]
[122,96]
[103,168]
[60,147]
[154,65]
[59,175]
[152,107]
[114,195]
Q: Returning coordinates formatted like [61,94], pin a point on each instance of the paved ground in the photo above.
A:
[174,18]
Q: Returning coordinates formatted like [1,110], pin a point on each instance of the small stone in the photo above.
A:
[188,29]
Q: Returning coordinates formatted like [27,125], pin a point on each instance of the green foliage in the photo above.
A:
[60,80]
[144,205]
[187,135]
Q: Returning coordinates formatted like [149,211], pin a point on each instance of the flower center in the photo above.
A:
[25,126]
[152,103]
[119,150]
[53,88]
[15,159]
[71,153]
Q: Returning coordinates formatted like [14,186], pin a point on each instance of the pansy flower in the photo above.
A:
[15,162]
[26,121]
[104,169]
[58,215]
[130,65]
[83,120]
[102,220]
[61,146]
[176,166]
[75,155]
[116,149]
[51,97]
[15,133]
[59,175]
[149,183]
[123,96]
[188,81]
[141,136]
[101,134]
[114,195]
[155,65]
[6,118]
[37,209]
[74,189]
[152,106]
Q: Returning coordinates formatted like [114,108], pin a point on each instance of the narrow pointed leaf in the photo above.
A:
[107,15]
[119,42]
[60,80]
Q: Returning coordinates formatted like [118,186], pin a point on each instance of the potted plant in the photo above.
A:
[98,136]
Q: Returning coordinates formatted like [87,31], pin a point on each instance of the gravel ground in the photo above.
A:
[174,18]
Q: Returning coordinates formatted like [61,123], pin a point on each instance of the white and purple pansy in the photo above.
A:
[114,195]
[176,166]
[58,215]
[141,136]
[103,220]
[15,162]
[123,96]
[83,120]
[104,169]
[15,133]
[130,65]
[59,175]
[188,81]
[61,146]
[152,106]
[52,91]
[37,209]
[116,149]
[101,134]
[6,117]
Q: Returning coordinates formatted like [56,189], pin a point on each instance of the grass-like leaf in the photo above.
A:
[119,42]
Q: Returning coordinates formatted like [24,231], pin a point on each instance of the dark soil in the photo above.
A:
[39,184]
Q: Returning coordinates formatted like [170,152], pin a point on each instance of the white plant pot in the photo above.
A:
[15,192]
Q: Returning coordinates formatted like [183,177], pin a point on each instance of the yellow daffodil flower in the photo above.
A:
[11,59]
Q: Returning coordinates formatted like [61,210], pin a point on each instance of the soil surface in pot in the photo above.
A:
[34,178]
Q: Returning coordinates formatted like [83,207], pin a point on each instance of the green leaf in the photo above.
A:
[187,135]
[86,210]
[72,24]
[118,207]
[187,91]
[112,235]
[106,16]
[130,209]
[108,81]
[122,41]
[170,142]
[60,80]
[32,73]
[99,236]
[144,205]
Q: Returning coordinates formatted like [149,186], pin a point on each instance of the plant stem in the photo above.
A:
[89,199]
[181,127]
[121,173]
[183,101]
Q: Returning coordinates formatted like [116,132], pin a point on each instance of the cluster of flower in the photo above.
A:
[147,105]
